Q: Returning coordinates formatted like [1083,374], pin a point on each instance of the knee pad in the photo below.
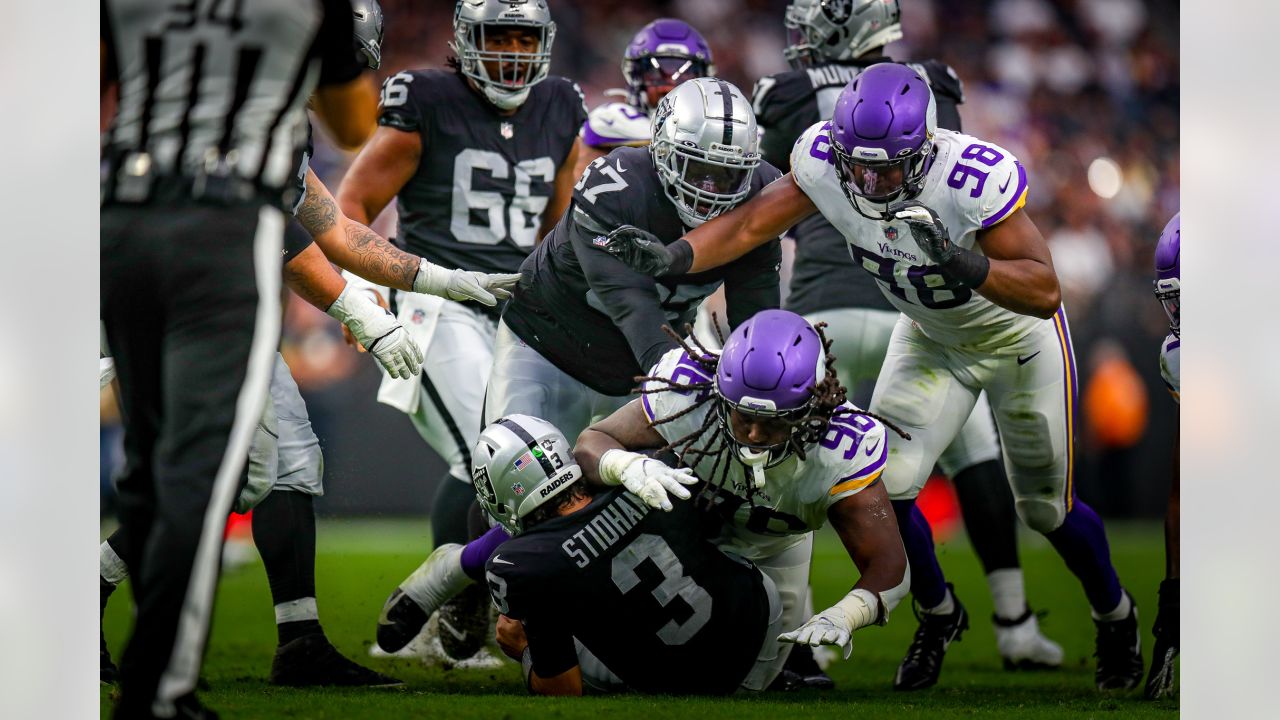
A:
[1043,515]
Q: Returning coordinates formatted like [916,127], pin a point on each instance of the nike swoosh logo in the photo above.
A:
[497,560]
[872,449]
[618,165]
[1006,183]
[445,624]
[391,602]
[1027,359]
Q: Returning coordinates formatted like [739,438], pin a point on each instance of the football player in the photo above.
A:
[830,45]
[1168,292]
[936,217]
[665,53]
[583,325]
[765,426]
[583,557]
[480,159]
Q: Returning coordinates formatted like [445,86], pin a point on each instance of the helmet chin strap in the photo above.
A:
[756,460]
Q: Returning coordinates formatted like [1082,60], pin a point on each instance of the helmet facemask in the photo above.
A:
[516,72]
[1168,292]
[872,182]
[820,31]
[703,183]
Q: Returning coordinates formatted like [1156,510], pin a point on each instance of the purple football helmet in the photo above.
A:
[665,53]
[1168,267]
[882,137]
[768,368]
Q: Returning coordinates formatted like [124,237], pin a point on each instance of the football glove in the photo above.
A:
[927,229]
[378,331]
[484,288]
[646,478]
[639,250]
[835,625]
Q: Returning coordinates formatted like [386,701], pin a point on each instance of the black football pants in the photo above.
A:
[190,297]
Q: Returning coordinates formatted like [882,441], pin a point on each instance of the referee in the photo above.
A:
[196,169]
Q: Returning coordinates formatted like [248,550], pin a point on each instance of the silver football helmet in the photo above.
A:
[368,22]
[705,147]
[824,30]
[519,463]
[518,72]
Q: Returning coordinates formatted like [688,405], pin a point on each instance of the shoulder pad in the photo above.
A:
[856,447]
[399,106]
[986,181]
[600,190]
[614,124]
[674,368]
[942,78]
[811,159]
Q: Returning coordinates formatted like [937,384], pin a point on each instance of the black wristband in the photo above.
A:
[681,258]
[967,267]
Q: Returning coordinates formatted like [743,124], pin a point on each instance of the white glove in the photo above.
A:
[835,625]
[106,371]
[646,478]
[484,288]
[378,331]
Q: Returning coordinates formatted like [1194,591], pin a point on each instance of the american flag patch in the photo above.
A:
[523,460]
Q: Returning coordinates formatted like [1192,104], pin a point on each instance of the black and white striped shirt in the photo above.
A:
[203,81]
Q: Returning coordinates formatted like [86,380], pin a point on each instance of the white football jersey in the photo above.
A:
[615,124]
[797,492]
[971,185]
[1169,365]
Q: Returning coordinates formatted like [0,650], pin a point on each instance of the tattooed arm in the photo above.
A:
[310,275]
[353,246]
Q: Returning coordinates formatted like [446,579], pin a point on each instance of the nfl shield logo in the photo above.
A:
[419,316]
[891,233]
[518,489]
[507,130]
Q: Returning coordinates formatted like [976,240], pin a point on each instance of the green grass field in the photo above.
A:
[360,562]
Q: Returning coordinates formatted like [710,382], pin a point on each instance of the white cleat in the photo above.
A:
[1023,646]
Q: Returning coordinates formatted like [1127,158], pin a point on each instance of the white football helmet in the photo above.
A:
[519,463]
[821,31]
[705,147]
[518,71]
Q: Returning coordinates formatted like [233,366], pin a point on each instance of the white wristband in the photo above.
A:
[862,607]
[613,463]
[431,279]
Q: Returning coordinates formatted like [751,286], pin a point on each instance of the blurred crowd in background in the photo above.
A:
[1084,92]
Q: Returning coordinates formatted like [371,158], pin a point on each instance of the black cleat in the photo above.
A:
[1119,652]
[1160,680]
[311,661]
[464,622]
[805,667]
[400,622]
[107,670]
[923,663]
[787,681]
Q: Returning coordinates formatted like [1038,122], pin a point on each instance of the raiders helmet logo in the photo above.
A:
[484,486]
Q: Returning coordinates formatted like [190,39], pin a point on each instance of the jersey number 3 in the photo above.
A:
[675,583]
[500,221]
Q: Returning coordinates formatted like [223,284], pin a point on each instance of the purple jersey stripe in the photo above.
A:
[591,138]
[1069,392]
[1013,201]
[1174,345]
[648,410]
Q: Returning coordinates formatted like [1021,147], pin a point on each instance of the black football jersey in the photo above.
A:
[598,320]
[484,179]
[652,599]
[296,237]
[786,105]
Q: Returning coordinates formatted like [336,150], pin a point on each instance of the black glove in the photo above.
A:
[644,252]
[964,266]
[927,228]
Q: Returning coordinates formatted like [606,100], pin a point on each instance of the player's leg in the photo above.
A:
[526,383]
[859,340]
[974,464]
[769,661]
[111,572]
[1035,406]
[919,390]
[284,529]
[222,321]
[1160,680]
[789,571]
